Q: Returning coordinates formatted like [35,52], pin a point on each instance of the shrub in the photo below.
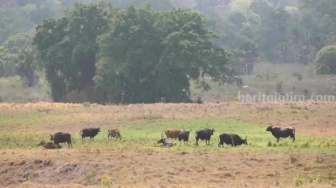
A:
[325,61]
[298,180]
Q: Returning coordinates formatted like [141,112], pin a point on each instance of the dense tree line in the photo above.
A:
[84,48]
[276,31]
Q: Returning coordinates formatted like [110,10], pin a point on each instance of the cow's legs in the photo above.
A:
[278,139]
[232,142]
[293,137]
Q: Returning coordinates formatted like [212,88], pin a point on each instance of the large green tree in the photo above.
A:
[152,56]
[325,62]
[318,20]
[67,48]
[17,58]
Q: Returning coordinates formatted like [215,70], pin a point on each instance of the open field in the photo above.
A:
[137,161]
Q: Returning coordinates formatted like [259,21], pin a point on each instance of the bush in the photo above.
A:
[325,61]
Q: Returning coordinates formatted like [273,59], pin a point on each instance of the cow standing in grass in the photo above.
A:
[61,137]
[231,139]
[89,132]
[282,132]
[114,133]
[204,134]
[172,133]
[184,135]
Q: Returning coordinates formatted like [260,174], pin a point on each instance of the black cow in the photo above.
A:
[231,139]
[184,135]
[61,137]
[204,134]
[282,132]
[89,132]
[165,142]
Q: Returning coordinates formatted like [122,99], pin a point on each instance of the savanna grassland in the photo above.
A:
[137,161]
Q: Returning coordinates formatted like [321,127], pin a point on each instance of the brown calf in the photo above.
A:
[114,133]
[172,133]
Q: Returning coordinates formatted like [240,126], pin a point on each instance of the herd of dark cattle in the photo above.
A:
[181,135]
[224,138]
[63,137]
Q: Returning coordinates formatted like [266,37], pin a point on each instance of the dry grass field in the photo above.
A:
[137,161]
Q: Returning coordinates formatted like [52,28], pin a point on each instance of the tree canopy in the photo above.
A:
[67,47]
[72,44]
[142,55]
[325,61]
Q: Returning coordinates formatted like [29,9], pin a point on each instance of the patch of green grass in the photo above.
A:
[298,180]
[143,137]
[105,180]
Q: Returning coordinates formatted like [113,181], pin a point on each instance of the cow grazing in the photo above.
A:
[204,134]
[114,133]
[49,145]
[282,132]
[184,135]
[231,139]
[172,133]
[89,132]
[165,142]
[61,137]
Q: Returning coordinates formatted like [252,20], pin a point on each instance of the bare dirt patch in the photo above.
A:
[165,169]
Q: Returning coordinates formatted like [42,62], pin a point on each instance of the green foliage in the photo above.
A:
[325,61]
[155,4]
[251,30]
[298,180]
[321,8]
[17,17]
[145,57]
[105,180]
[274,33]
[150,56]
[67,48]
[17,58]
